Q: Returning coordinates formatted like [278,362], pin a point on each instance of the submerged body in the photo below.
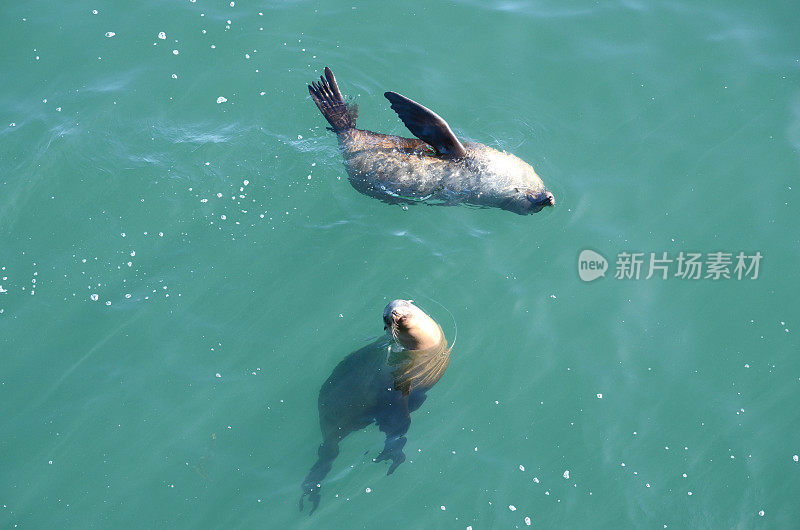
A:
[436,166]
[383,383]
[484,177]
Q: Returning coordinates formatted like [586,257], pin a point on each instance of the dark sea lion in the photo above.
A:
[434,166]
[383,383]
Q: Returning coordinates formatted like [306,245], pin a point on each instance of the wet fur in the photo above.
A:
[393,168]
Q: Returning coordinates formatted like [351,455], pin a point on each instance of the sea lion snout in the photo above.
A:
[542,199]
[395,311]
[533,202]
[390,319]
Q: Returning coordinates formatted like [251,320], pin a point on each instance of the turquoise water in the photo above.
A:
[180,275]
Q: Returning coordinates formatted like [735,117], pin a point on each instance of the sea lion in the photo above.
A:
[382,382]
[434,166]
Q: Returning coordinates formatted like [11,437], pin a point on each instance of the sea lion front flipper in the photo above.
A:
[427,126]
[394,420]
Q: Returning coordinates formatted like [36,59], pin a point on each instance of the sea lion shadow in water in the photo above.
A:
[379,383]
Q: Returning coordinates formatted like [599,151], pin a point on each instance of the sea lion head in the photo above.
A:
[507,181]
[411,326]
[525,199]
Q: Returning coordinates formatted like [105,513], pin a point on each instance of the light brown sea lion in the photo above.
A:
[383,383]
[435,166]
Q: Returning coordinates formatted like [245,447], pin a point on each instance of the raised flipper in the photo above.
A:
[427,126]
[331,103]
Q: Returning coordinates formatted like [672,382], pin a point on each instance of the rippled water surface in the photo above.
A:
[183,262]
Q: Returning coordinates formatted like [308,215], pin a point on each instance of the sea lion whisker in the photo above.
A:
[394,332]
[455,324]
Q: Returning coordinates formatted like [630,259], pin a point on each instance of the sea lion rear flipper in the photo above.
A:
[328,451]
[329,100]
[426,125]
